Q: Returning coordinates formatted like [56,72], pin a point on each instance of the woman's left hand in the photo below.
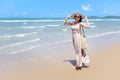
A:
[85,17]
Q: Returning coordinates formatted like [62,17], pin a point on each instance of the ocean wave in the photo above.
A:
[54,20]
[53,25]
[31,27]
[25,21]
[21,27]
[19,43]
[103,34]
[18,35]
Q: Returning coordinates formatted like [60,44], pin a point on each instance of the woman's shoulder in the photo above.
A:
[81,23]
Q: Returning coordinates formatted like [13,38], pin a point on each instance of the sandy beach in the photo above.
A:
[104,66]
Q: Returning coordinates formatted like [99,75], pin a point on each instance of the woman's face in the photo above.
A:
[77,17]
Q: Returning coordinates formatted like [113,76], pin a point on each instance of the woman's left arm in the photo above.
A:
[87,25]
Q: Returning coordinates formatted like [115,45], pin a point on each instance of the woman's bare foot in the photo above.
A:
[78,68]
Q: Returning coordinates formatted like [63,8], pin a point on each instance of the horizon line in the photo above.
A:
[109,16]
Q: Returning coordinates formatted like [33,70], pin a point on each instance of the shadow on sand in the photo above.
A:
[73,62]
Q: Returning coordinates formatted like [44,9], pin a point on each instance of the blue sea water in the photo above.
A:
[21,35]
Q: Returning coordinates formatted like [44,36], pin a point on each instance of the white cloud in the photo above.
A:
[86,8]
[105,11]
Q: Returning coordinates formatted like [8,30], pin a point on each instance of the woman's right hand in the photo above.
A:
[69,16]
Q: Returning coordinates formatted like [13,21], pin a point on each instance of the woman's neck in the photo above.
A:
[76,22]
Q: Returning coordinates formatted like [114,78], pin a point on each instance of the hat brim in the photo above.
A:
[77,13]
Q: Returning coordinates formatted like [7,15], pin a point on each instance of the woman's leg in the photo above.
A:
[79,58]
[85,57]
[78,61]
[83,52]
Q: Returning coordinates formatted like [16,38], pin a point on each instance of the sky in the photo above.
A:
[58,8]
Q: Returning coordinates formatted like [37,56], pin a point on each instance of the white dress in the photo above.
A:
[76,37]
[77,43]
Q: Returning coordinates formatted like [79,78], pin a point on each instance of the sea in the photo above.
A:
[21,36]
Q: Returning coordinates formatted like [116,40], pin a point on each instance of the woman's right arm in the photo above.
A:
[66,23]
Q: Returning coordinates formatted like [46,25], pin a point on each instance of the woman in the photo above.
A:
[76,36]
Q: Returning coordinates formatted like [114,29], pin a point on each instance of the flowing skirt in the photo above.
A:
[77,46]
[77,43]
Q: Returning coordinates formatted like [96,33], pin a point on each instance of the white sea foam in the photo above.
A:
[40,26]
[92,26]
[6,36]
[23,35]
[18,35]
[65,30]
[28,27]
[53,25]
[31,27]
[19,43]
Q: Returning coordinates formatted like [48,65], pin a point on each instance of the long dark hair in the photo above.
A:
[80,19]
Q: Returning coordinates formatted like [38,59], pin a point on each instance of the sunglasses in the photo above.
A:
[76,16]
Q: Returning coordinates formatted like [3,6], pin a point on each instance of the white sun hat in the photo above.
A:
[76,13]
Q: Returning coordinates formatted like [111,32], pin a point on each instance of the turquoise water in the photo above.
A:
[21,35]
